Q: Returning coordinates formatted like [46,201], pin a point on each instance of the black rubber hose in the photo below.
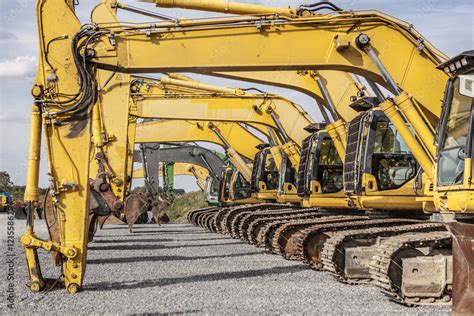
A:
[316,6]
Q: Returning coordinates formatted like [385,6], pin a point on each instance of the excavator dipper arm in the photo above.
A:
[196,155]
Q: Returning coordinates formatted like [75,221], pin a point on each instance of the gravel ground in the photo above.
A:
[181,269]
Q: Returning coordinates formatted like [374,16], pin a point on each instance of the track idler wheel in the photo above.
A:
[395,272]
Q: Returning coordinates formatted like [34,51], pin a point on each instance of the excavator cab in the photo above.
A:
[234,189]
[273,176]
[224,187]
[454,187]
[240,189]
[320,173]
[328,169]
[392,163]
[265,174]
[320,169]
[455,138]
[287,189]
[378,164]
[212,192]
[270,172]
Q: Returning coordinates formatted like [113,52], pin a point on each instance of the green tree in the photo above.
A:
[5,181]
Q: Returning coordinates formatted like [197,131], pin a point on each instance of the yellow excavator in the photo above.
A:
[255,110]
[115,46]
[408,167]
[281,187]
[151,100]
[110,160]
[422,158]
[290,127]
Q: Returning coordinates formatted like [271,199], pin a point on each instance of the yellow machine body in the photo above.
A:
[270,45]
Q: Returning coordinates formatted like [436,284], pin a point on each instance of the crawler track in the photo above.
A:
[283,214]
[230,218]
[256,226]
[333,254]
[194,214]
[283,239]
[219,218]
[311,241]
[202,217]
[321,239]
[384,261]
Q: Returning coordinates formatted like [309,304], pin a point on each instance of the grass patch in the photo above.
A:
[182,204]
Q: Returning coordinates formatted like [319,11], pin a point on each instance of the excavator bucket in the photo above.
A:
[20,210]
[51,220]
[136,208]
[158,208]
[20,213]
[110,220]
[463,268]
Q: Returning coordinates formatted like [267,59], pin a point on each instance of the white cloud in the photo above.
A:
[20,66]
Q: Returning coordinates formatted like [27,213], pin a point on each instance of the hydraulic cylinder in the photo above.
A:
[223,7]
[390,109]
[409,109]
[34,152]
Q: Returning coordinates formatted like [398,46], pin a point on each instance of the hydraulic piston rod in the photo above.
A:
[211,173]
[271,137]
[199,86]
[199,182]
[327,98]
[363,42]
[376,90]
[223,6]
[290,149]
[282,131]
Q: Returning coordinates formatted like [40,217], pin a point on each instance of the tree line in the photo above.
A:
[16,191]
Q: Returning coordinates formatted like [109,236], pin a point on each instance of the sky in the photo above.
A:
[449,25]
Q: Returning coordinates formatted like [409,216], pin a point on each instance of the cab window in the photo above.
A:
[392,162]
[329,168]
[453,141]
[271,173]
